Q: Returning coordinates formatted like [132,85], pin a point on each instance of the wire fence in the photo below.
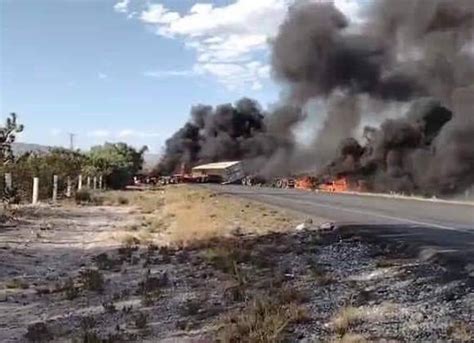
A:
[21,187]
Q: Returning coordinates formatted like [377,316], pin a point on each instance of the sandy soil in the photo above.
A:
[40,250]
[45,247]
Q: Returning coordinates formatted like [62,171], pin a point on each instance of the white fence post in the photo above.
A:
[100,182]
[55,188]
[79,183]
[95,183]
[8,182]
[68,187]
[35,190]
[89,182]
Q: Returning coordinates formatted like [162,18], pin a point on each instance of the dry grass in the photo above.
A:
[70,289]
[155,223]
[346,319]
[151,288]
[147,212]
[320,274]
[17,284]
[38,332]
[288,295]
[198,214]
[146,201]
[461,332]
[129,240]
[385,263]
[350,338]
[137,238]
[181,215]
[88,197]
[262,320]
[225,256]
[349,317]
[187,216]
[141,321]
[92,280]
[267,314]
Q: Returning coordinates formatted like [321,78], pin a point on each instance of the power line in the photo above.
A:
[71,140]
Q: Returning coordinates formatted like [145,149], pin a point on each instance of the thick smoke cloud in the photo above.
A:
[315,54]
[233,132]
[407,53]
[396,156]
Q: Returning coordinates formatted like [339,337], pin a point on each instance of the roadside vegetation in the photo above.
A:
[116,163]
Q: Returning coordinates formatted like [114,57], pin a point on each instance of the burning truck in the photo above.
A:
[221,172]
[218,172]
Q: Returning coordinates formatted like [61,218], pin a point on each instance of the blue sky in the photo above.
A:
[118,70]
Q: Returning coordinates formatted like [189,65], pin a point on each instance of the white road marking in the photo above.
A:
[373,214]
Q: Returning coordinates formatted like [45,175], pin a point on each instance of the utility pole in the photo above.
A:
[71,140]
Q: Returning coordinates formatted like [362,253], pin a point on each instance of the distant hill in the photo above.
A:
[22,148]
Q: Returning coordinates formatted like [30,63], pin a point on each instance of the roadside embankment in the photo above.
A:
[185,264]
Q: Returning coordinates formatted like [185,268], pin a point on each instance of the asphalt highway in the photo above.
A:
[440,224]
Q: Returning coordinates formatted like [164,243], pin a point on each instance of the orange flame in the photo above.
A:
[305,182]
[339,185]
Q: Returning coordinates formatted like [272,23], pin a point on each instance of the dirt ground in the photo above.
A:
[182,264]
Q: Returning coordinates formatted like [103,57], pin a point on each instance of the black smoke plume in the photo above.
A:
[232,132]
[415,54]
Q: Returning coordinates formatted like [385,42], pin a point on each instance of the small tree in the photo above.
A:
[118,162]
[7,137]
[65,162]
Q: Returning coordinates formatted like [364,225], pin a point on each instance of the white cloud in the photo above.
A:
[226,39]
[99,133]
[236,75]
[122,6]
[161,74]
[230,41]
[132,15]
[158,14]
[102,76]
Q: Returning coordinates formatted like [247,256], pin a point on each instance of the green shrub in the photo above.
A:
[141,321]
[122,200]
[17,284]
[87,197]
[83,196]
[93,280]
[72,292]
